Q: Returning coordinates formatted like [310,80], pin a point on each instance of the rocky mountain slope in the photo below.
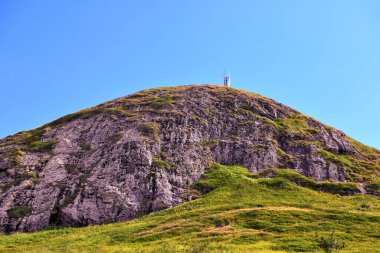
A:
[143,152]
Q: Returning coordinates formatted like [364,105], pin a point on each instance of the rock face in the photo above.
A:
[141,153]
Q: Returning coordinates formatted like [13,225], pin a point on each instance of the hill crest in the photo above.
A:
[141,153]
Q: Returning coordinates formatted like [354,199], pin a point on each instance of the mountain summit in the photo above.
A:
[144,152]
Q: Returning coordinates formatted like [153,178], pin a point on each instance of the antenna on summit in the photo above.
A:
[226,79]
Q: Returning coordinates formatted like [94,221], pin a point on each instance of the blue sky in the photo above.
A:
[319,57]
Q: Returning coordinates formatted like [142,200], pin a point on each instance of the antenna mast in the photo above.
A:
[226,79]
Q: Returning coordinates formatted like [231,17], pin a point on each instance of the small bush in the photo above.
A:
[71,169]
[210,143]
[203,187]
[365,206]
[276,183]
[339,188]
[330,243]
[70,198]
[33,174]
[19,211]
[221,223]
[267,173]
[85,146]
[158,163]
[116,137]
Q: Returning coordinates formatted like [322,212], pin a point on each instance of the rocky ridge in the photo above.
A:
[142,153]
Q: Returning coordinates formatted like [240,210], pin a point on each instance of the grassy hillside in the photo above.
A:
[237,212]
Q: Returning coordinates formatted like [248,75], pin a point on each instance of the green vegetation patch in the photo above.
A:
[13,153]
[210,142]
[39,146]
[368,152]
[297,124]
[160,164]
[116,137]
[356,169]
[152,98]
[149,129]
[22,176]
[19,211]
[163,101]
[374,187]
[32,139]
[87,113]
[279,175]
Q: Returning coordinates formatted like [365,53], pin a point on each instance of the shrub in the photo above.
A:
[210,142]
[116,137]
[158,163]
[70,198]
[274,183]
[71,169]
[341,188]
[203,187]
[221,223]
[330,243]
[32,174]
[85,146]
[365,206]
[19,211]
[267,173]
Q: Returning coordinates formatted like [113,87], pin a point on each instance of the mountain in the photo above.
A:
[146,152]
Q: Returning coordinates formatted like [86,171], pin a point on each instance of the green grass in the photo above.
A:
[356,169]
[160,164]
[39,146]
[295,125]
[374,187]
[278,175]
[239,212]
[163,101]
[149,129]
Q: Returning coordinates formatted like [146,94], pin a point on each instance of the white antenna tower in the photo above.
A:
[226,79]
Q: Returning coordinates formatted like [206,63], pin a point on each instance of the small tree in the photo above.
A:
[330,243]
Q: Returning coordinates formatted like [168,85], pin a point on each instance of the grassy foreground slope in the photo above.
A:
[241,212]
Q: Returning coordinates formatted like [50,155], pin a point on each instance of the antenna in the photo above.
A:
[226,79]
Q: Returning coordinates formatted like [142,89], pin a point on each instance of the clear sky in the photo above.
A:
[321,57]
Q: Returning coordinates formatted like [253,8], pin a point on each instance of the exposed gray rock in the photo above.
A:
[107,164]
